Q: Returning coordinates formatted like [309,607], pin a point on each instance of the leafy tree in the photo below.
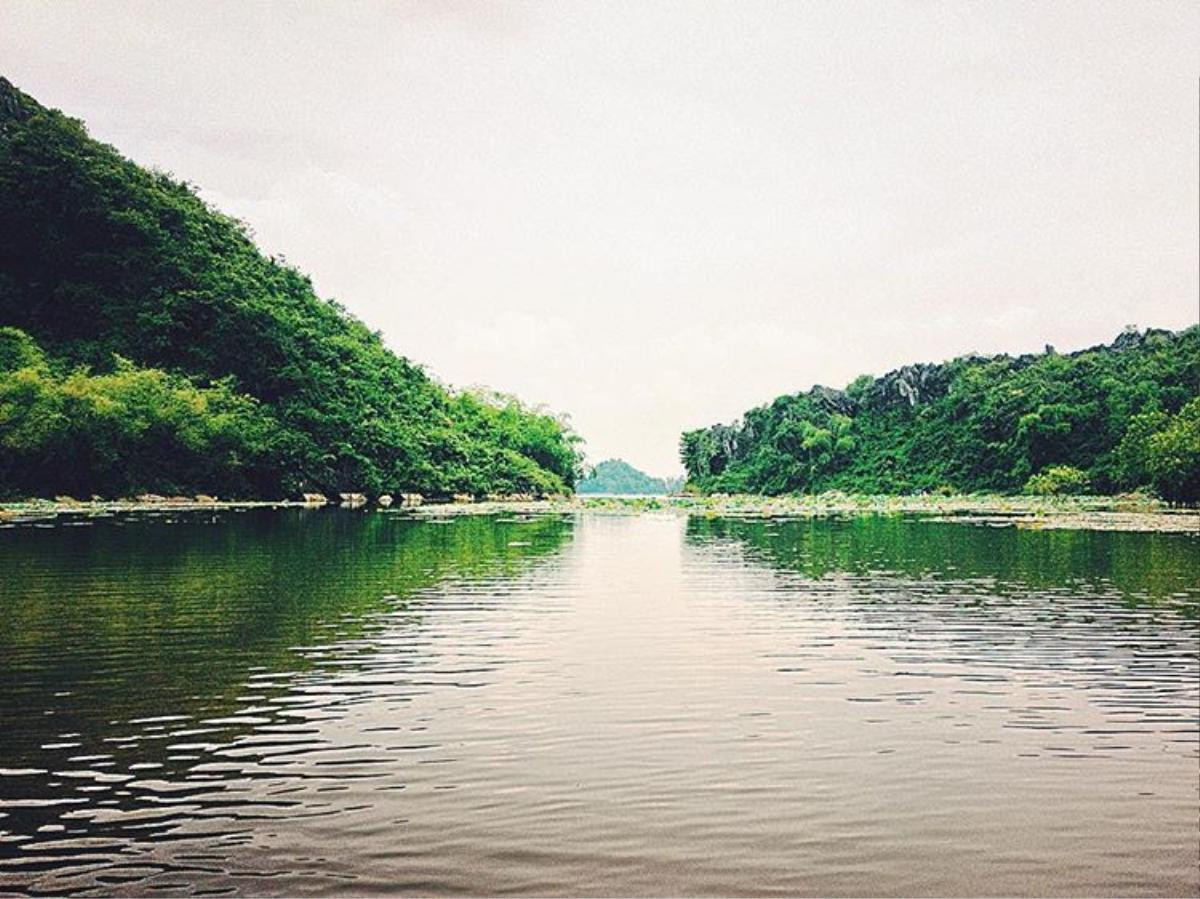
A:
[1173,456]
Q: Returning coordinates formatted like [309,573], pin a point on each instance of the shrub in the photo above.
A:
[1058,480]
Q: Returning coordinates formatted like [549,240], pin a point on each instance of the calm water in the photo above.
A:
[341,702]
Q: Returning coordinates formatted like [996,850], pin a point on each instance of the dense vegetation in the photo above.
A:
[618,476]
[150,346]
[1119,417]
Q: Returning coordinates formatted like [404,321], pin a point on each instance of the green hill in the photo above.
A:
[618,476]
[150,346]
[1110,418]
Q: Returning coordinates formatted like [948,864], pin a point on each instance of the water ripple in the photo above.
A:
[337,702]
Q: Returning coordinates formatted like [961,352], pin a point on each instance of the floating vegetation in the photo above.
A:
[1129,512]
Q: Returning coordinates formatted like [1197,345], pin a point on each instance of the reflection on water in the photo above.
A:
[334,702]
[1142,568]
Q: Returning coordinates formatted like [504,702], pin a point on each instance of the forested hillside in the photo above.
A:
[1111,418]
[148,345]
[618,476]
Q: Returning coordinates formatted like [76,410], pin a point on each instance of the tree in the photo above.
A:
[1173,456]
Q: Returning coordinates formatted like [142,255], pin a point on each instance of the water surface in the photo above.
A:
[284,702]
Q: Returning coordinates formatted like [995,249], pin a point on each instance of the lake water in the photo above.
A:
[305,702]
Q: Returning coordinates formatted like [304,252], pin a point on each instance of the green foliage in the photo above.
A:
[19,350]
[101,259]
[1058,480]
[619,477]
[1121,415]
[1173,456]
[128,431]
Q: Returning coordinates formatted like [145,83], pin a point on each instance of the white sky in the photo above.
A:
[654,216]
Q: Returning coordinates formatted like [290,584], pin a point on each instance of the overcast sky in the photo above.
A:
[654,216]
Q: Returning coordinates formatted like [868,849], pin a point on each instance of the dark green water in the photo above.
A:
[282,702]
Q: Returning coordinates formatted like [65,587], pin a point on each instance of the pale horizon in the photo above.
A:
[654,218]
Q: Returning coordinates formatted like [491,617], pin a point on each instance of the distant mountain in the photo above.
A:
[618,476]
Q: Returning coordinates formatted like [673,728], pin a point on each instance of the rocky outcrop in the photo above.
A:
[14,105]
[832,400]
[909,386]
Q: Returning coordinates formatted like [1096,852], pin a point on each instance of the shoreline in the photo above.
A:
[1105,513]
[1134,513]
[18,511]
